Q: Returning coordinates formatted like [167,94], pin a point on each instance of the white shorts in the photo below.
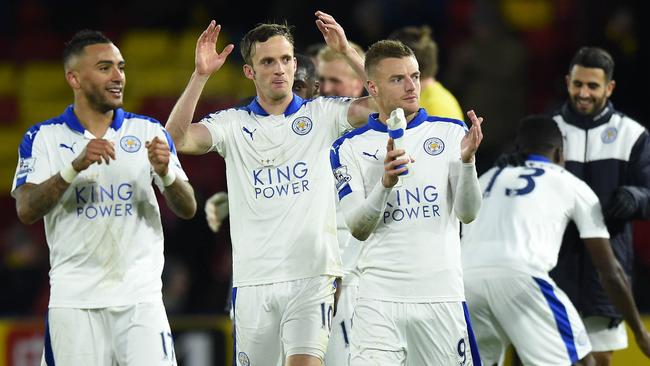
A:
[532,313]
[338,348]
[282,319]
[125,335]
[396,334]
[603,336]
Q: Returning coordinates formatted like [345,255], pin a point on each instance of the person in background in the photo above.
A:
[509,249]
[611,153]
[435,98]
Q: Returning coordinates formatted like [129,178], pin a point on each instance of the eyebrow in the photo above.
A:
[100,62]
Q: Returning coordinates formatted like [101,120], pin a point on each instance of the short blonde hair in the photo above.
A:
[326,54]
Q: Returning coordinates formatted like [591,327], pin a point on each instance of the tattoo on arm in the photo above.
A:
[33,201]
[180,198]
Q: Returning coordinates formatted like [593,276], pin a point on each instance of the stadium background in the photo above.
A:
[505,58]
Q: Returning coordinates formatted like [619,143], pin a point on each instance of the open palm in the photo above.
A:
[472,139]
[332,31]
[207,60]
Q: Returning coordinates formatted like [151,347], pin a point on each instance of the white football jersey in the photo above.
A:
[414,253]
[105,236]
[282,214]
[524,214]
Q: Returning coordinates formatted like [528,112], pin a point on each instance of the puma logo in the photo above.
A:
[372,155]
[71,147]
[249,132]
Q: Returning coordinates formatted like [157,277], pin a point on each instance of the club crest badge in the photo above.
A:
[243,359]
[301,125]
[609,135]
[130,144]
[434,146]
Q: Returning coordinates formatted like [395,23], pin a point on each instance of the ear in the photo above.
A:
[73,79]
[316,87]
[567,81]
[558,156]
[372,88]
[249,72]
[610,88]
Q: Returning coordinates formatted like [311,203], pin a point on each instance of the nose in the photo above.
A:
[117,74]
[410,84]
[584,91]
[325,88]
[279,69]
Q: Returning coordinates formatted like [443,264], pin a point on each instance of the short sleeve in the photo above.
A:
[337,108]
[347,175]
[587,214]
[33,163]
[217,123]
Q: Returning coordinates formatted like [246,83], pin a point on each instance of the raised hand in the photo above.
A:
[206,59]
[96,151]
[158,153]
[393,164]
[472,139]
[332,31]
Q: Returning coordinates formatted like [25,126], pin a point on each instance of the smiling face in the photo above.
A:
[272,68]
[588,89]
[395,82]
[97,76]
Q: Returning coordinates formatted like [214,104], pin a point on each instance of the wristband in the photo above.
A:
[168,179]
[68,173]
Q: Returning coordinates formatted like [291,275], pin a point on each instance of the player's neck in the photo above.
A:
[93,121]
[275,107]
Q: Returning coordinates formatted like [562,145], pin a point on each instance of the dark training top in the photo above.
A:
[606,151]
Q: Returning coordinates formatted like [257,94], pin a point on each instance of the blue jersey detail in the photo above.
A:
[561,318]
[335,160]
[293,107]
[48,353]
[73,122]
[420,117]
[473,346]
[535,157]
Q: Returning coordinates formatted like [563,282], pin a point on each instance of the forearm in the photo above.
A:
[363,215]
[618,289]
[182,114]
[180,198]
[467,197]
[356,62]
[33,201]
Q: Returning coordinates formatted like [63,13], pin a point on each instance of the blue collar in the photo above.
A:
[292,108]
[377,125]
[73,122]
[535,157]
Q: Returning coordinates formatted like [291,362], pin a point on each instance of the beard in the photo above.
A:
[100,102]
[596,105]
